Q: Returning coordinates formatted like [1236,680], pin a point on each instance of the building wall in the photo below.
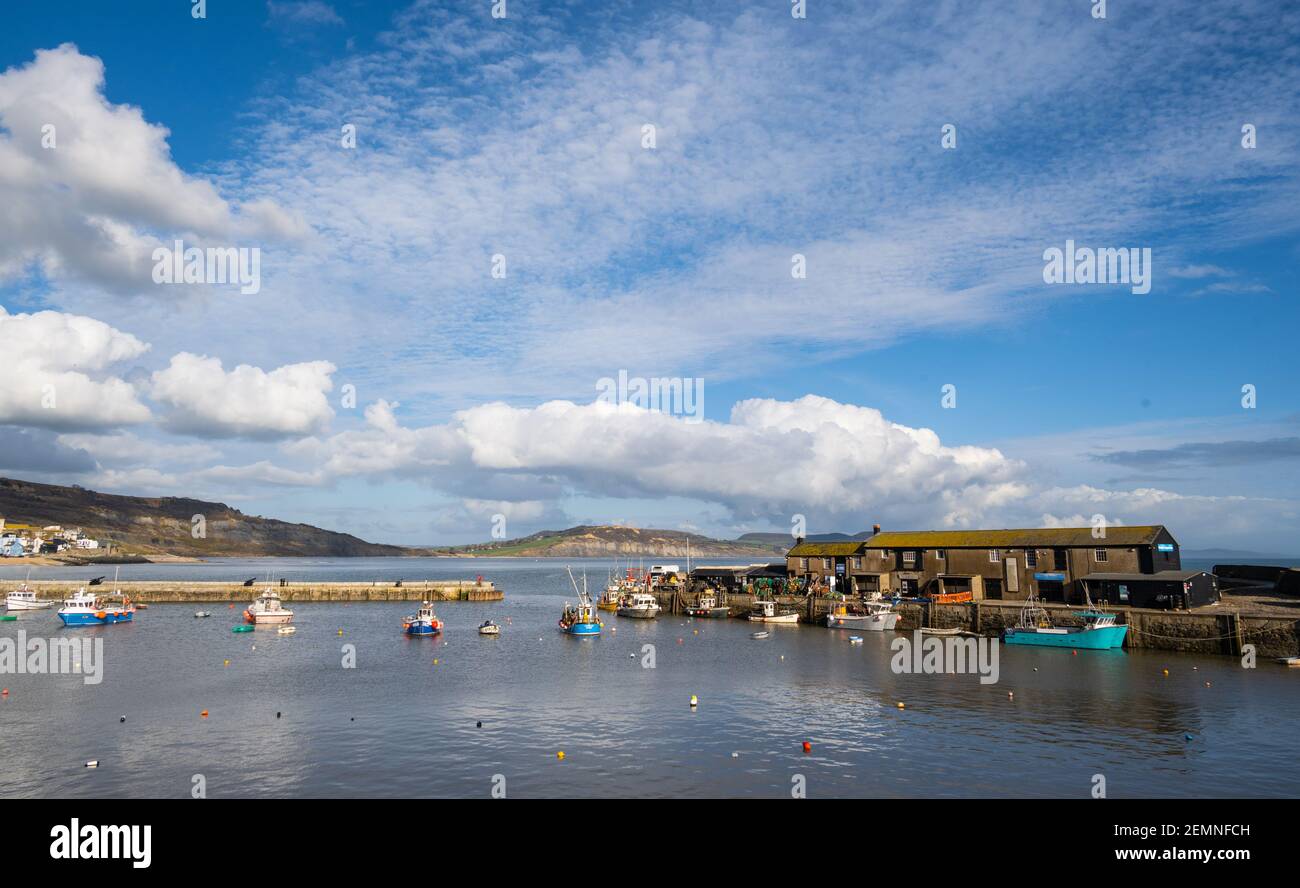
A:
[1010,578]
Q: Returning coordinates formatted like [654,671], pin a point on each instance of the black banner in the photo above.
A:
[139,839]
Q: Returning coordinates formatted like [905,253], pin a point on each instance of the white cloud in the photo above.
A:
[247,401]
[57,359]
[127,448]
[812,456]
[94,202]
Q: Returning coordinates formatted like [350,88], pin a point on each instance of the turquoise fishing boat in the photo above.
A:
[582,619]
[1099,631]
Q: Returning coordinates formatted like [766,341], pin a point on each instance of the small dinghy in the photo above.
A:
[198,615]
[242,628]
[489,628]
[763,634]
[1289,661]
[286,630]
[855,639]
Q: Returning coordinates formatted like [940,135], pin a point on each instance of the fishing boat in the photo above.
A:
[639,606]
[707,606]
[267,608]
[489,628]
[877,616]
[24,599]
[423,622]
[582,619]
[769,612]
[1098,632]
[84,609]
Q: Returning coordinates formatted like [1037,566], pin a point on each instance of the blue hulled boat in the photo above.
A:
[582,619]
[1098,632]
[84,609]
[424,622]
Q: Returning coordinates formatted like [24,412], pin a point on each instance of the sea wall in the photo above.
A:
[181,591]
[1204,631]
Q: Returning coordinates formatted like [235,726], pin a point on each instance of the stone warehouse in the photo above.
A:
[984,564]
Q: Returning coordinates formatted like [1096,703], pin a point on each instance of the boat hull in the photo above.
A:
[273,619]
[20,604]
[581,629]
[422,629]
[1101,639]
[870,622]
[93,619]
[708,613]
[637,613]
[779,618]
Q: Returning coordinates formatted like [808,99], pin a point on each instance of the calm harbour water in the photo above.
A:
[398,725]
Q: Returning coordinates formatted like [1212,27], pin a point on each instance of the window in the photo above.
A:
[909,557]
[1031,558]
[1099,554]
[857,562]
[938,553]
[826,564]
[803,563]
[994,556]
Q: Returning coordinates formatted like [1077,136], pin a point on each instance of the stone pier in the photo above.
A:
[180,591]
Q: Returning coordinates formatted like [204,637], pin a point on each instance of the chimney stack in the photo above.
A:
[875,529]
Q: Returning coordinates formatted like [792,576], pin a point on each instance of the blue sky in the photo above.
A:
[523,137]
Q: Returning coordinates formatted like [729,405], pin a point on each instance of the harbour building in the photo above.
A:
[1136,565]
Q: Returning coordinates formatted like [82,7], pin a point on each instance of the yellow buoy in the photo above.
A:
[900,704]
[695,701]
[226,663]
[560,754]
[1164,671]
[340,632]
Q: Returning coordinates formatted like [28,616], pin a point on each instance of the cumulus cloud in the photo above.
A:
[811,456]
[55,369]
[248,402]
[89,188]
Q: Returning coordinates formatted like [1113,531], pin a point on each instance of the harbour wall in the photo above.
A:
[162,591]
[1197,632]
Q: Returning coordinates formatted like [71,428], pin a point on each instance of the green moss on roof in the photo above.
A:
[1137,535]
[803,550]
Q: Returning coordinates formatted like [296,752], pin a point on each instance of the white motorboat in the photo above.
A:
[489,628]
[639,605]
[201,614]
[876,616]
[268,609]
[24,599]
[770,612]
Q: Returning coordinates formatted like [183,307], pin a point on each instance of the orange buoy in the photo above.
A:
[203,714]
[807,747]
